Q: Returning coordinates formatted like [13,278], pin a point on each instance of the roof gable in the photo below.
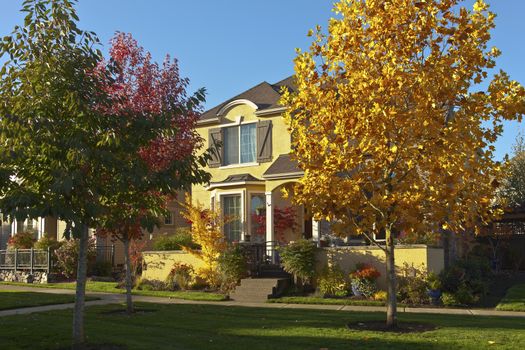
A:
[264,96]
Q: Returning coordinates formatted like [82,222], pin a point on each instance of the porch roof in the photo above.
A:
[283,167]
[237,179]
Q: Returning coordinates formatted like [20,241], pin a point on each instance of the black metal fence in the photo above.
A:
[43,260]
[25,259]
[106,253]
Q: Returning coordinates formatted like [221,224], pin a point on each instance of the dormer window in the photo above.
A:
[240,144]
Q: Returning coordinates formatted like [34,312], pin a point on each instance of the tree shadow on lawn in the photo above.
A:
[225,327]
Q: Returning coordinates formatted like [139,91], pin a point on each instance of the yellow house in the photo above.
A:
[252,165]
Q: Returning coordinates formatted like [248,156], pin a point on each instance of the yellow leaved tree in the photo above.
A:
[388,123]
[206,231]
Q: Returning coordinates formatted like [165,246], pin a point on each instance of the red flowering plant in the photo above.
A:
[363,280]
[365,271]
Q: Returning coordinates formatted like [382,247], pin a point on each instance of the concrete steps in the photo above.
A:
[258,290]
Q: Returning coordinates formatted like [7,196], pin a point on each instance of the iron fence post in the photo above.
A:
[48,260]
[16,259]
[31,260]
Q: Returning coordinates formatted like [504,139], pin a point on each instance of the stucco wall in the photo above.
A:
[431,259]
[280,145]
[157,265]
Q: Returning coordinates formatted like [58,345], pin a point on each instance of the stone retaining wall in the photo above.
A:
[23,276]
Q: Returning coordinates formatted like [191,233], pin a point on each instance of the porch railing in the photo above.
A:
[106,253]
[259,254]
[25,259]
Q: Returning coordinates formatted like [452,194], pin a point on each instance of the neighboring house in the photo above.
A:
[54,228]
[252,165]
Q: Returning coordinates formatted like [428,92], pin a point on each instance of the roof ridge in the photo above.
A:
[239,94]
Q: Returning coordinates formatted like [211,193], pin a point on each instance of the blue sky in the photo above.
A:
[229,46]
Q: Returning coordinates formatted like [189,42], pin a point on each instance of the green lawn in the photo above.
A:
[13,299]
[325,301]
[111,287]
[514,300]
[221,327]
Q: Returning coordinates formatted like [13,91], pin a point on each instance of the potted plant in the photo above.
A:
[434,288]
[363,280]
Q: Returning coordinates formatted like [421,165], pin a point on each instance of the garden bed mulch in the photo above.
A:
[380,326]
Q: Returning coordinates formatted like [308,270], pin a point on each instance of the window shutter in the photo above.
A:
[215,145]
[264,141]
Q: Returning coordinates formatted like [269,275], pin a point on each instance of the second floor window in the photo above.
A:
[240,144]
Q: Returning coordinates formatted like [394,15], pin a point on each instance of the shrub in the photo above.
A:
[468,279]
[433,281]
[182,238]
[448,299]
[412,285]
[151,285]
[380,295]
[182,276]
[21,240]
[67,256]
[465,296]
[363,280]
[232,267]
[47,242]
[298,258]
[332,282]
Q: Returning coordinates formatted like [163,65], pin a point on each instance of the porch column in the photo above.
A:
[316,232]
[41,227]
[270,235]
[14,227]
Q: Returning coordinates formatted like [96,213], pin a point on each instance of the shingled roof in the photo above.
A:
[264,95]
[283,166]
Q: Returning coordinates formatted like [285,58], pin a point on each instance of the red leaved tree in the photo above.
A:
[284,219]
[155,109]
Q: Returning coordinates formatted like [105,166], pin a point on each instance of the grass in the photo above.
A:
[514,300]
[13,299]
[220,327]
[325,301]
[111,287]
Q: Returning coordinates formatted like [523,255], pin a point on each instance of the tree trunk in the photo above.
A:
[78,316]
[445,241]
[391,279]
[129,301]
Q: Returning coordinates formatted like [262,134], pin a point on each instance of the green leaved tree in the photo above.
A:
[67,148]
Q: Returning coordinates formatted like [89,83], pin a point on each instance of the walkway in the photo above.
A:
[111,298]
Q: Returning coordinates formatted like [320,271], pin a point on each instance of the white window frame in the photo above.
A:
[242,218]
[238,123]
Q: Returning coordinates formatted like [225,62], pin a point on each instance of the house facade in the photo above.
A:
[54,228]
[252,166]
